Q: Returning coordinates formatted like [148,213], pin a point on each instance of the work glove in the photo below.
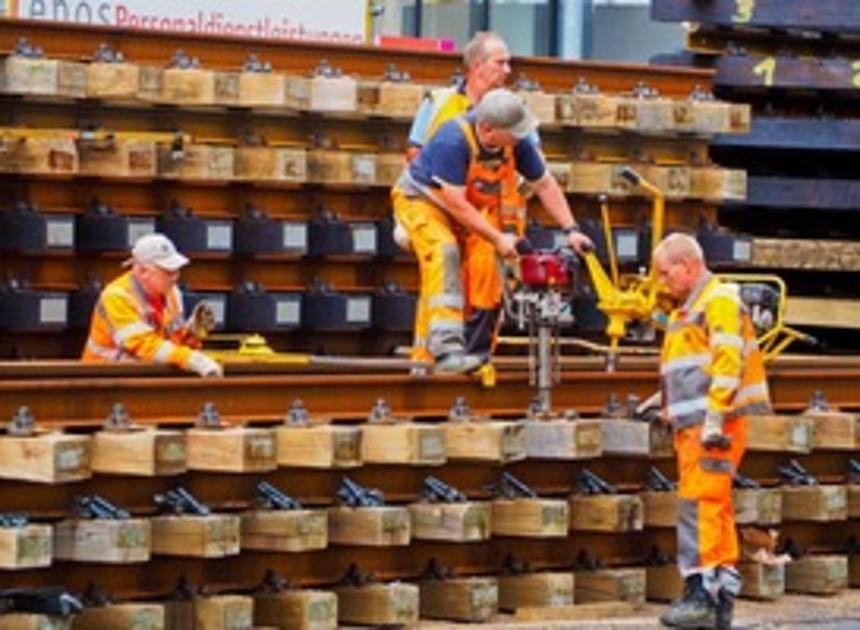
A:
[712,432]
[201,320]
[205,366]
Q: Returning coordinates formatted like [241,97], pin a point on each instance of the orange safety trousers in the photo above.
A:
[707,537]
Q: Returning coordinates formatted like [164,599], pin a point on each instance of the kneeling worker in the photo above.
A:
[449,201]
[139,316]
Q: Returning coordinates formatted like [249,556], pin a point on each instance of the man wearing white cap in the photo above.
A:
[450,201]
[138,316]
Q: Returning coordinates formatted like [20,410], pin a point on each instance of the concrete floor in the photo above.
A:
[791,612]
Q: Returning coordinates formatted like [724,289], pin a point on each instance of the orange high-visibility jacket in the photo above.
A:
[123,327]
[711,363]
[494,187]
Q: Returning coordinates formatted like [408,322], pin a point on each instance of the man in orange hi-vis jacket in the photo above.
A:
[712,377]
[138,316]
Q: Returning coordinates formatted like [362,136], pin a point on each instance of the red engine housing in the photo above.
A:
[541,270]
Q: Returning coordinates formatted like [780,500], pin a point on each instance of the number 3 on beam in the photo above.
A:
[767,69]
[745,10]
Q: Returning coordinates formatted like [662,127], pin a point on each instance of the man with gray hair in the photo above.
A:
[488,65]
[450,201]
[712,377]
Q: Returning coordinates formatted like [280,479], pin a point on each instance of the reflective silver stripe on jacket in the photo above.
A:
[686,384]
[164,351]
[714,465]
[691,360]
[752,409]
[751,392]
[111,354]
[726,382]
[696,318]
[135,328]
[446,300]
[102,311]
[688,412]
[727,339]
[688,535]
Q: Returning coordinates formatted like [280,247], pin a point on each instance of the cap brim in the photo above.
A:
[524,128]
[173,262]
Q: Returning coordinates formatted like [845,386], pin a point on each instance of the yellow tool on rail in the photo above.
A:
[628,298]
[253,349]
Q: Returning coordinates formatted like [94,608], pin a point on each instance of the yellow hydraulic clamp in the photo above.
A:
[640,298]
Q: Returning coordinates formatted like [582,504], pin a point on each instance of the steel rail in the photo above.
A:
[68,393]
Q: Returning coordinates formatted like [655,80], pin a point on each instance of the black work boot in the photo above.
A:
[724,610]
[696,609]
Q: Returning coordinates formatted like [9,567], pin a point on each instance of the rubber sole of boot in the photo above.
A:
[709,624]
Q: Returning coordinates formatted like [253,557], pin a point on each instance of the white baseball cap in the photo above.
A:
[158,250]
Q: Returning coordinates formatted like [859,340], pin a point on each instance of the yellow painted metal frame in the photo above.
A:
[636,298]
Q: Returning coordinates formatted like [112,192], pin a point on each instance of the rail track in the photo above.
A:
[68,393]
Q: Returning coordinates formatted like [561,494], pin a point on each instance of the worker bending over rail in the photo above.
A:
[138,316]
[712,377]
[450,201]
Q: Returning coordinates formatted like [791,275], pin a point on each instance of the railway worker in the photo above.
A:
[488,65]
[449,202]
[712,377]
[138,316]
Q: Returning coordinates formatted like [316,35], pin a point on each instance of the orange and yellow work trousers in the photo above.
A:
[455,270]
[707,538]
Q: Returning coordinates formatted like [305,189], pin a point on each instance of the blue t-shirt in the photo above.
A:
[445,159]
